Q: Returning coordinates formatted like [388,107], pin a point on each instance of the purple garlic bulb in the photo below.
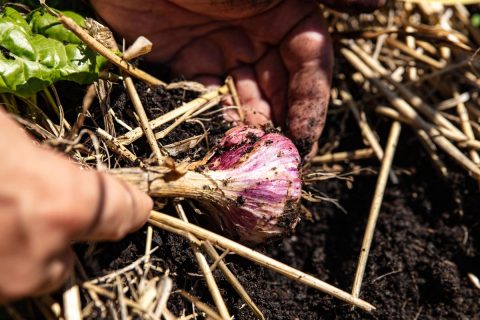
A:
[259,172]
[250,185]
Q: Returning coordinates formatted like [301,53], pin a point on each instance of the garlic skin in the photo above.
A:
[251,184]
[259,173]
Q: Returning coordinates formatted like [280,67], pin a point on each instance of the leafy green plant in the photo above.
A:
[36,51]
[476,20]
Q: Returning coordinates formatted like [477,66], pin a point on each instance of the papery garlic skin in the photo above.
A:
[251,185]
[259,173]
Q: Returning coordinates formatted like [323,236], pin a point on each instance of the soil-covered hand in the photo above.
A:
[46,202]
[278,52]
[354,6]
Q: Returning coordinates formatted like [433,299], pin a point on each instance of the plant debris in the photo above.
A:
[408,66]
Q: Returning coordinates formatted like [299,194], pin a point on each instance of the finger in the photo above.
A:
[307,54]
[273,81]
[256,109]
[118,208]
[34,275]
[200,56]
[312,153]
[230,111]
[209,81]
[68,202]
[354,6]
[65,202]
[56,272]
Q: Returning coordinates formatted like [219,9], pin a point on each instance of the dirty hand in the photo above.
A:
[278,52]
[46,202]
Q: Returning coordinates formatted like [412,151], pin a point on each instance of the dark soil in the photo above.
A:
[426,242]
[427,238]
[158,101]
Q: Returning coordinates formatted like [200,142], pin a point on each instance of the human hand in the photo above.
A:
[278,52]
[46,202]
[354,6]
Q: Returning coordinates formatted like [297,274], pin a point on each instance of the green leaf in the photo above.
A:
[37,51]
[476,20]
[15,33]
[48,25]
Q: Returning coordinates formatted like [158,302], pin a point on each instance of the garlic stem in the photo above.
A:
[162,182]
[250,185]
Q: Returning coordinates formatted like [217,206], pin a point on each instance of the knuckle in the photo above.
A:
[119,234]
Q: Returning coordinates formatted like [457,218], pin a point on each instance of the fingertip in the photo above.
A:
[148,204]
[312,153]
[136,211]
[131,210]
[308,56]
[57,272]
[304,146]
[144,205]
[115,209]
[256,109]
[257,113]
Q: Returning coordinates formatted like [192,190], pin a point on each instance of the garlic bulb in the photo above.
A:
[259,171]
[251,185]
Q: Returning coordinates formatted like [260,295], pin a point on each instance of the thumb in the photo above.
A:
[117,208]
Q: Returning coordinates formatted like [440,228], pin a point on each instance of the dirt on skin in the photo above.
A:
[426,243]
